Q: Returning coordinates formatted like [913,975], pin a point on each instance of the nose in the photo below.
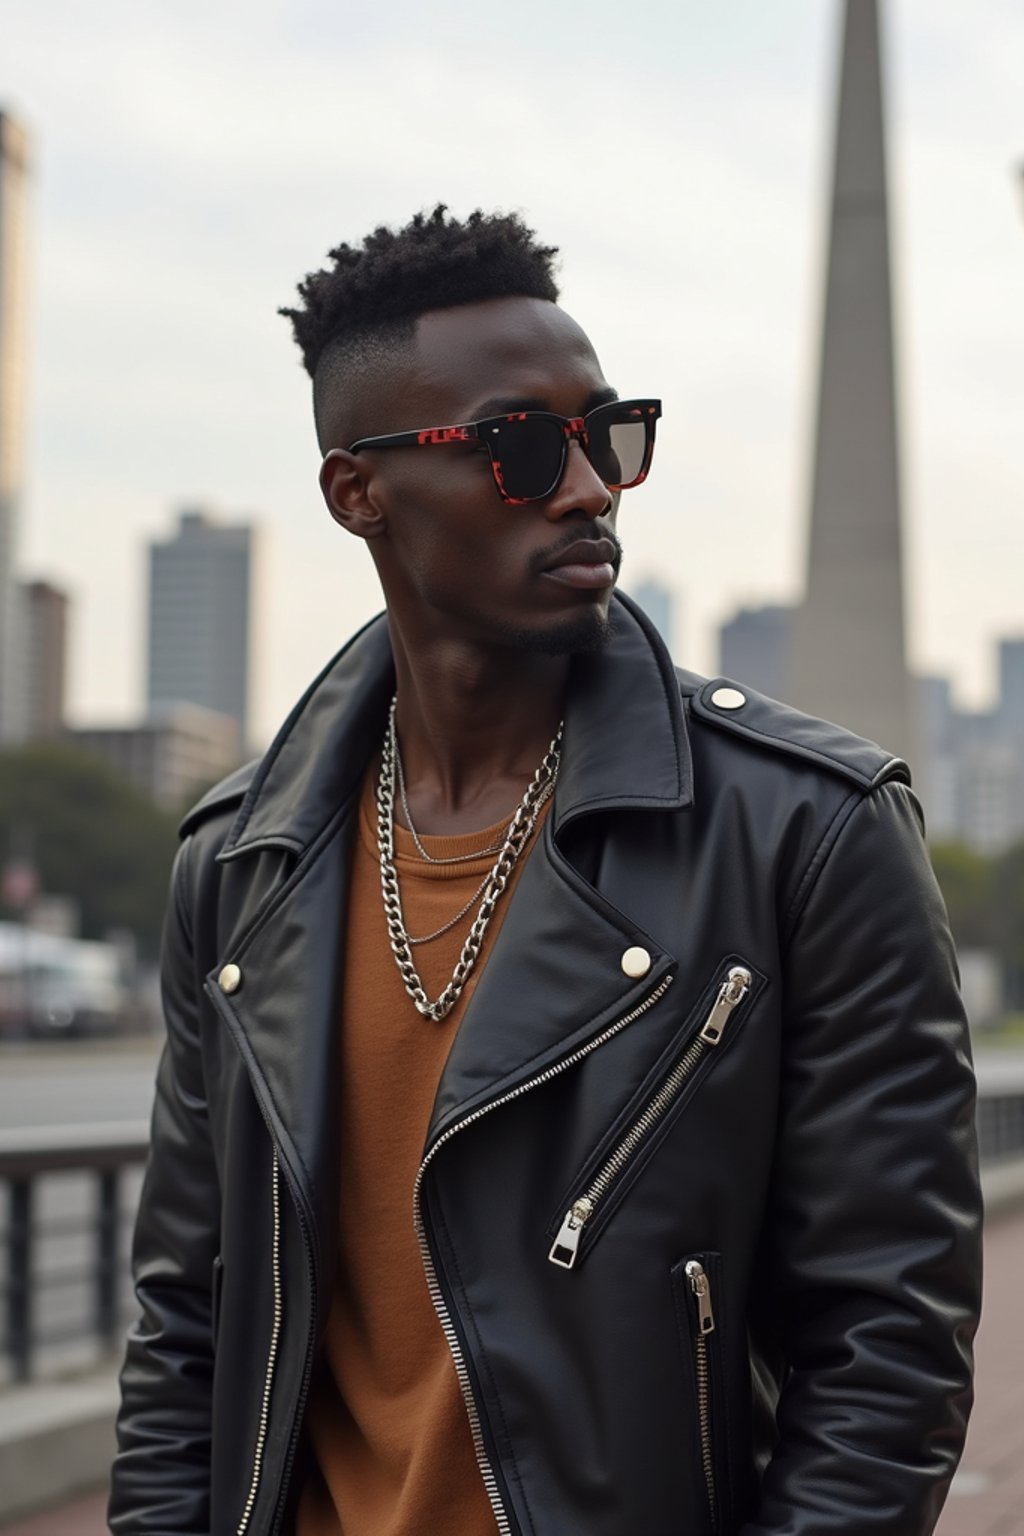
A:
[580,489]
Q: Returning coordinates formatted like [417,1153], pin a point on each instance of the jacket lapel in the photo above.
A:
[553,979]
[284,1020]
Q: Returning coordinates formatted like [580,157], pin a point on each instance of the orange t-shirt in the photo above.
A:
[391,1445]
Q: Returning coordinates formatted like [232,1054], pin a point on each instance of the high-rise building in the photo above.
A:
[199,617]
[971,775]
[990,794]
[849,662]
[14,176]
[44,620]
[754,648]
[937,774]
[659,605]
[1011,687]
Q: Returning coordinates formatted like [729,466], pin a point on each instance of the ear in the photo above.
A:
[344,481]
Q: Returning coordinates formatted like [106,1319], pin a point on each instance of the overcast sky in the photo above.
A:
[194,160]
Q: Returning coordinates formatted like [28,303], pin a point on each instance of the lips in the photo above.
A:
[588,565]
[586,552]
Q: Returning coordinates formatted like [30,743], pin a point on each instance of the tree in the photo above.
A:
[91,835]
[965,879]
[1008,922]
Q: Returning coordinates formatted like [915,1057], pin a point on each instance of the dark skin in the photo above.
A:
[482,634]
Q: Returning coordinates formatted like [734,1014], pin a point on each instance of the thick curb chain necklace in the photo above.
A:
[428,938]
[518,835]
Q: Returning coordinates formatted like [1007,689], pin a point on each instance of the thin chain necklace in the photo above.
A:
[437,933]
[428,858]
[522,824]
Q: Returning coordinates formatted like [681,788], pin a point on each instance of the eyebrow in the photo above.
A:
[502,405]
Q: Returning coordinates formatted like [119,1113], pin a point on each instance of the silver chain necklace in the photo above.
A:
[518,835]
[428,858]
[428,938]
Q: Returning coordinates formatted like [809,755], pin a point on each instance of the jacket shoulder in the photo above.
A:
[765,722]
[223,799]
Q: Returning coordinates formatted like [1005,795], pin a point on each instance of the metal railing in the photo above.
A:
[107,1156]
[95,1236]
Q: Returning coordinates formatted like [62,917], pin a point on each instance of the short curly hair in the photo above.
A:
[433,262]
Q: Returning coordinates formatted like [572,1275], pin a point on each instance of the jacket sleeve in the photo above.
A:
[160,1478]
[873,1232]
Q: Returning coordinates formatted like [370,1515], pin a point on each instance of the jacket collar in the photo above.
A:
[618,752]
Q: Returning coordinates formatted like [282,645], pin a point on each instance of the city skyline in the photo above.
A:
[968,769]
[161,374]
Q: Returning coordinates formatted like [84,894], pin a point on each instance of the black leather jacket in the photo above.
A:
[759,1317]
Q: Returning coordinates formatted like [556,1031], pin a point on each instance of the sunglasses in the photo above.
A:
[528,450]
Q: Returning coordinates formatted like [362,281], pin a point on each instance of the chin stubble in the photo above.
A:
[577,634]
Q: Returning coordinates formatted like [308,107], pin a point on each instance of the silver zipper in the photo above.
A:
[700,1285]
[732,991]
[275,1334]
[433,1286]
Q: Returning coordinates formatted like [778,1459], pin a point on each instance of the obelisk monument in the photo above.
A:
[849,660]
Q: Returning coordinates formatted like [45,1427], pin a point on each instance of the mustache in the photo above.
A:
[544,557]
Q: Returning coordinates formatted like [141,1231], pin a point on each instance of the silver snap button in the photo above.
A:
[636,962]
[230,979]
[728,698]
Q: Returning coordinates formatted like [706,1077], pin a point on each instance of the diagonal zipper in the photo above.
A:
[730,994]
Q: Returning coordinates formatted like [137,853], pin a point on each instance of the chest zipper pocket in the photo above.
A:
[696,1289]
[730,994]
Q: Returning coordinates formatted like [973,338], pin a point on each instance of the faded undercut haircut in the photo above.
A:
[360,311]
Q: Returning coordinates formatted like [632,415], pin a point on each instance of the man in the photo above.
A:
[565,1119]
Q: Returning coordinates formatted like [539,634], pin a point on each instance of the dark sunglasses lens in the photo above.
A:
[618,446]
[527,456]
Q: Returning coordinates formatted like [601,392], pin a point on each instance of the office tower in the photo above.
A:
[14,173]
[1011,687]
[848,655]
[659,605]
[44,610]
[990,794]
[936,774]
[754,648]
[199,618]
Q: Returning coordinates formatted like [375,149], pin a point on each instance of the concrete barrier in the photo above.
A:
[56,1440]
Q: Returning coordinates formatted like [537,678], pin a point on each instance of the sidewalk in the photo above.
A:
[987,1498]
[84,1517]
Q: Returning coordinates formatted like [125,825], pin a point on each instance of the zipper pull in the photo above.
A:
[700,1285]
[732,991]
[565,1245]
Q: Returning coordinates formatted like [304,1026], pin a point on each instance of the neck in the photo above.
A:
[473,726]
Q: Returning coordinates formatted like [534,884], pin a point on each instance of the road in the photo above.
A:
[97,1082]
[86,1083]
